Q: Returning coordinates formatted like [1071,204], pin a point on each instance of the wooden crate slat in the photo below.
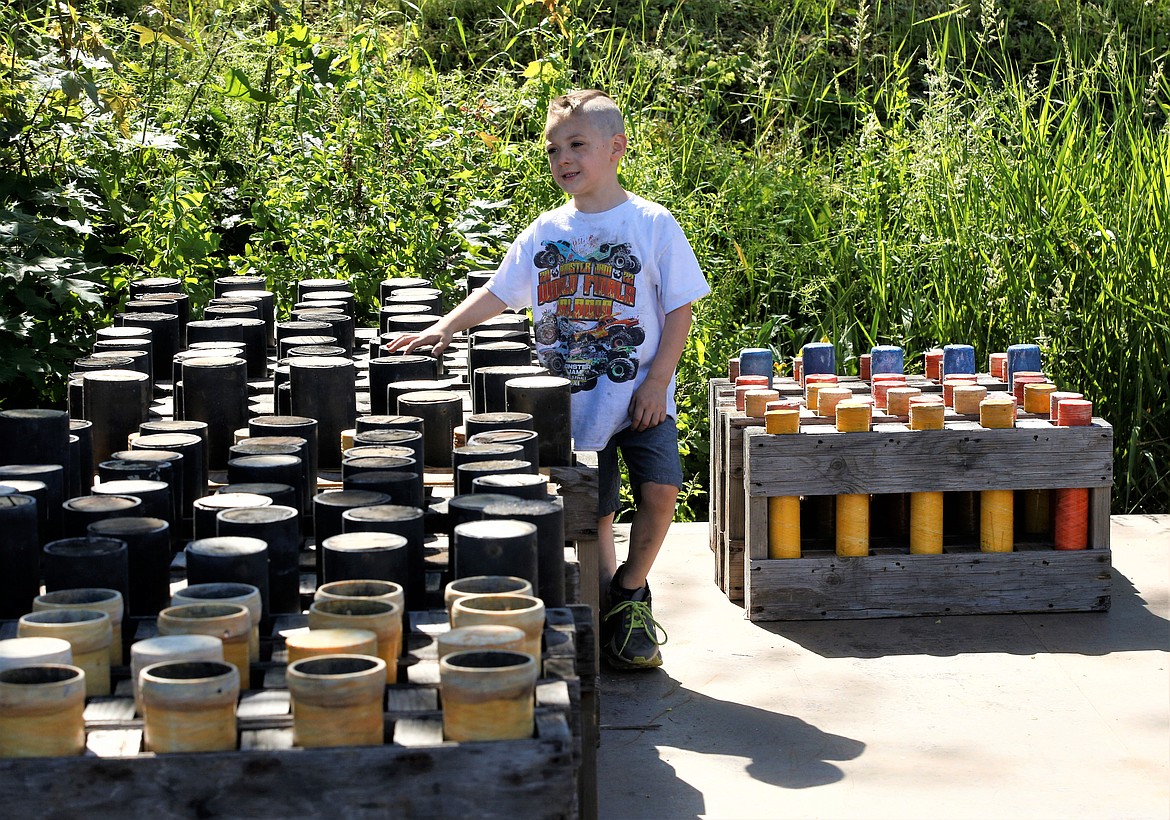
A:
[114,742]
[894,460]
[508,779]
[264,703]
[261,740]
[732,569]
[407,699]
[578,485]
[733,472]
[881,586]
[715,388]
[109,709]
[420,731]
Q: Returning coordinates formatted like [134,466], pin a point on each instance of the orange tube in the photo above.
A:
[755,401]
[898,400]
[1036,397]
[1071,530]
[851,416]
[934,359]
[1020,378]
[784,526]
[829,397]
[784,510]
[926,523]
[997,411]
[852,525]
[996,508]
[930,416]
[784,421]
[997,365]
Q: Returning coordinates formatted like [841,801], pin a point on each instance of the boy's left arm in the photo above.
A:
[648,406]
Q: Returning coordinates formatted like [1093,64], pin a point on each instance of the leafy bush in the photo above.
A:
[903,172]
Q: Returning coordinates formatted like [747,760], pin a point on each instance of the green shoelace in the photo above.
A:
[642,618]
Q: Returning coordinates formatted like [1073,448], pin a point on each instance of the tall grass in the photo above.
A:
[1003,204]
[905,172]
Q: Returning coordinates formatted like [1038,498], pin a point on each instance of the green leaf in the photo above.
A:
[74,225]
[71,85]
[86,292]
[237,86]
[174,37]
[145,35]
[540,69]
[298,35]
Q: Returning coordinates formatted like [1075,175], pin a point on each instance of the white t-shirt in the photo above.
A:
[600,285]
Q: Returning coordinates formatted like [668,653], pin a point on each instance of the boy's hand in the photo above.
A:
[479,307]
[436,335]
[648,405]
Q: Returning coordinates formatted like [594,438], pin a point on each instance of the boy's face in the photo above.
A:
[583,160]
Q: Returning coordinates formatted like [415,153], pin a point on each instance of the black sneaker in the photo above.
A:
[629,631]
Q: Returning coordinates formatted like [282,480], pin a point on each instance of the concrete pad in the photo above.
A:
[1060,715]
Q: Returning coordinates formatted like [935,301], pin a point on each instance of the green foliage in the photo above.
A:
[912,172]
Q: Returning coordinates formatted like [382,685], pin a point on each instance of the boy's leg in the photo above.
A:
[606,557]
[608,500]
[647,532]
[630,635]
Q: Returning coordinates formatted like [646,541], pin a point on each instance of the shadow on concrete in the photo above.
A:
[1128,626]
[650,723]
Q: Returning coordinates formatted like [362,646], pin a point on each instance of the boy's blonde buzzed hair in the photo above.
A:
[598,106]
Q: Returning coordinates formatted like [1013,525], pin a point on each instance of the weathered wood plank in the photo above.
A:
[572,574]
[578,487]
[529,778]
[965,456]
[588,671]
[1099,509]
[715,387]
[421,731]
[588,559]
[968,583]
[407,699]
[264,703]
[538,777]
[732,570]
[99,710]
[554,694]
[114,742]
[757,527]
[733,472]
[718,492]
[265,739]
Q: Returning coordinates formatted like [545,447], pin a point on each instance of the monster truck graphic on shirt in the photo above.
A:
[582,334]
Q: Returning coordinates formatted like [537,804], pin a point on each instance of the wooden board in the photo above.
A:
[731,571]
[733,479]
[963,583]
[506,779]
[577,485]
[963,457]
[717,490]
[413,774]
[715,388]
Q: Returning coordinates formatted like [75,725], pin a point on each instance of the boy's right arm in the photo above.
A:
[475,309]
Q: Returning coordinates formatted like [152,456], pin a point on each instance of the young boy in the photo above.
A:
[611,278]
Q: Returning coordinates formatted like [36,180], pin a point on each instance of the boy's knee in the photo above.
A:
[652,494]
